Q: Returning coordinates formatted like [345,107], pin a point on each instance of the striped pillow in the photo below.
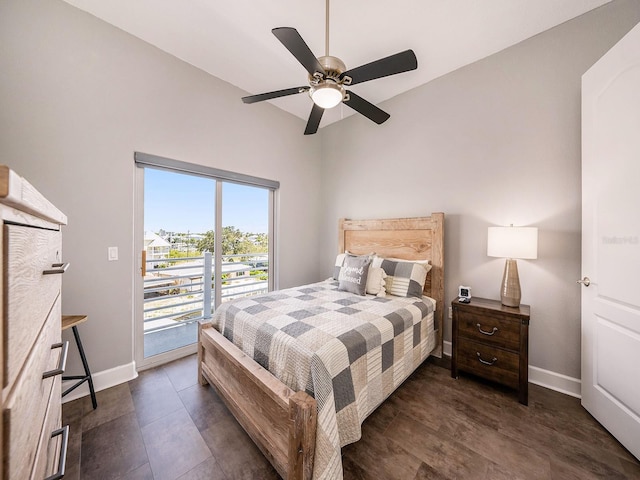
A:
[404,278]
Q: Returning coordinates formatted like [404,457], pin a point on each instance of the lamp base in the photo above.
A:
[510,293]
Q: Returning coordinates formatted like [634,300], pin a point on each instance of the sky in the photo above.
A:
[184,203]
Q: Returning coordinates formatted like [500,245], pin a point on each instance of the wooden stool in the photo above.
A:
[72,321]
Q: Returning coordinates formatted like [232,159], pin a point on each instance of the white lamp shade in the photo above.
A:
[513,242]
[327,95]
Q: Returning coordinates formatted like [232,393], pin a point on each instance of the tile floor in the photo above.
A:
[164,426]
[160,426]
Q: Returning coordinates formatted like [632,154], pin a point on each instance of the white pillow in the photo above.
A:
[375,281]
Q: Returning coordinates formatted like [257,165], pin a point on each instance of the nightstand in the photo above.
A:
[492,342]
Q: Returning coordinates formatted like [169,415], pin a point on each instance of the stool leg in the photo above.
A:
[86,366]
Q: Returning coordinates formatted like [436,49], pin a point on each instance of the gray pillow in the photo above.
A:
[340,260]
[353,274]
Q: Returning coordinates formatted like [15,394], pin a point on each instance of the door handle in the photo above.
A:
[585,281]
[56,268]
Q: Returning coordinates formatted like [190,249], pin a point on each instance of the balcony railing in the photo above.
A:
[180,291]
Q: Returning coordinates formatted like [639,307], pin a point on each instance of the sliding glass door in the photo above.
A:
[205,239]
[178,209]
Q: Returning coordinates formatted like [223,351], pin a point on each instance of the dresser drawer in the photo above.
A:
[29,293]
[496,329]
[25,409]
[488,362]
[48,454]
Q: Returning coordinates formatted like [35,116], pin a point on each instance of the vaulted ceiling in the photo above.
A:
[232,40]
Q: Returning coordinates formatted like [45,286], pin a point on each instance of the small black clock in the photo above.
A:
[464,294]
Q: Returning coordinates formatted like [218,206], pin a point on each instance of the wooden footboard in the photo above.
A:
[281,422]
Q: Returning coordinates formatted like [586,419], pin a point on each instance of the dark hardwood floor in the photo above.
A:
[163,425]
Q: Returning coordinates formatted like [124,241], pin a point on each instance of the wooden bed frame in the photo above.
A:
[280,421]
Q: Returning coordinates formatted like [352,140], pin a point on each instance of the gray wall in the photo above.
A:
[494,143]
[79,96]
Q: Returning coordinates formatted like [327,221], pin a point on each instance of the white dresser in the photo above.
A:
[33,355]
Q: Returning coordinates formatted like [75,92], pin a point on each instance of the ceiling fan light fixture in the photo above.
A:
[327,94]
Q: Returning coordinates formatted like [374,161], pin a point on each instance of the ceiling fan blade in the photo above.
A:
[398,63]
[293,42]
[366,108]
[314,120]
[278,93]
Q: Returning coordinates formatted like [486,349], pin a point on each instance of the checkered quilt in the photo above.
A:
[349,352]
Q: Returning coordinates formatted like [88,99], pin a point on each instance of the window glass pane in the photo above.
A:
[245,240]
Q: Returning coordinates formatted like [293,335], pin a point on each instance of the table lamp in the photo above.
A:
[512,243]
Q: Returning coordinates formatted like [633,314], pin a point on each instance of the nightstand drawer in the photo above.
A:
[489,362]
[497,329]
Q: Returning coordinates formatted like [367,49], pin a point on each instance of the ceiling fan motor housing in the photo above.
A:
[333,67]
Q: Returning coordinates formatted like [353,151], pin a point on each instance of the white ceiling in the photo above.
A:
[232,39]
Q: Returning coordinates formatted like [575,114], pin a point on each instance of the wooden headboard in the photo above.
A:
[419,238]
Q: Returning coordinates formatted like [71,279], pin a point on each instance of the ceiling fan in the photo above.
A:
[328,76]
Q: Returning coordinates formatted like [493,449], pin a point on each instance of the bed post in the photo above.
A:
[341,235]
[437,276]
[302,436]
[201,378]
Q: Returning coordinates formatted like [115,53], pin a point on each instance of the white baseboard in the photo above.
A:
[545,378]
[101,380]
[555,381]
[446,348]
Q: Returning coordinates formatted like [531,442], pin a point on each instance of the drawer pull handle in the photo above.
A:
[484,362]
[484,332]
[57,268]
[62,462]
[62,364]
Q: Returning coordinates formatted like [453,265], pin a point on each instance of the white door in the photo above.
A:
[611,241]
